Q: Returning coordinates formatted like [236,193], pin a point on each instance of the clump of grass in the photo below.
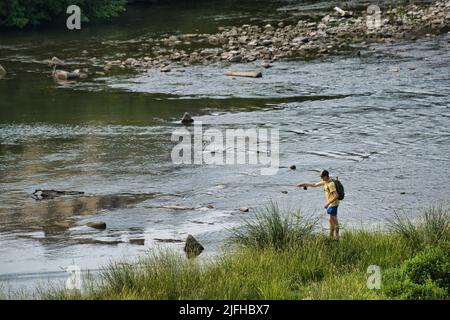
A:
[269,227]
[429,229]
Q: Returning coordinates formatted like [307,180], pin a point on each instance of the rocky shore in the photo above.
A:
[337,31]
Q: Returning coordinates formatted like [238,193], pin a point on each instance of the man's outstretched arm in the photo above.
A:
[309,184]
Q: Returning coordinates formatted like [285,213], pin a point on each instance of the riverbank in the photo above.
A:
[282,256]
[335,32]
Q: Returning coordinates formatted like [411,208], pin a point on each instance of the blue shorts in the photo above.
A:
[332,211]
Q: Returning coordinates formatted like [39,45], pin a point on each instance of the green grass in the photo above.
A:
[282,256]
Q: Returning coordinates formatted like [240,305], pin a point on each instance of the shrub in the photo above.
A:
[425,276]
[21,13]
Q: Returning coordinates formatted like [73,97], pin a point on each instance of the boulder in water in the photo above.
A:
[186,118]
[192,247]
[97,225]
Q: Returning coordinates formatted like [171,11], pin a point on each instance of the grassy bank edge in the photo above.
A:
[280,255]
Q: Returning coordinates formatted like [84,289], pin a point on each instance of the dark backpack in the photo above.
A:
[339,188]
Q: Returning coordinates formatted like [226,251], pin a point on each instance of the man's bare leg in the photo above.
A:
[331,224]
[336,227]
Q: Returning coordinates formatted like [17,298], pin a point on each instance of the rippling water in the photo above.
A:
[380,122]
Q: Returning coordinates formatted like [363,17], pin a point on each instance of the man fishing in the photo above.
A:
[332,203]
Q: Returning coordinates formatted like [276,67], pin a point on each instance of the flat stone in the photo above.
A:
[139,242]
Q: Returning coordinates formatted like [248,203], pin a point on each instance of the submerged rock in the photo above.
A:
[192,247]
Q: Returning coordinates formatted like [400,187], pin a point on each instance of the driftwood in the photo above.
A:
[172,207]
[249,74]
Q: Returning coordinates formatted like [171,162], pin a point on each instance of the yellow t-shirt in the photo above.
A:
[329,187]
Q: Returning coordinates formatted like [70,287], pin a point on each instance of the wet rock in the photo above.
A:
[301,40]
[100,225]
[343,13]
[2,71]
[60,75]
[266,64]
[210,206]
[211,51]
[235,58]
[186,119]
[268,27]
[167,240]
[61,226]
[165,69]
[139,242]
[250,74]
[40,194]
[76,74]
[293,167]
[284,192]
[192,247]
[244,209]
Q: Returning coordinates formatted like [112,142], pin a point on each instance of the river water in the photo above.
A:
[381,122]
